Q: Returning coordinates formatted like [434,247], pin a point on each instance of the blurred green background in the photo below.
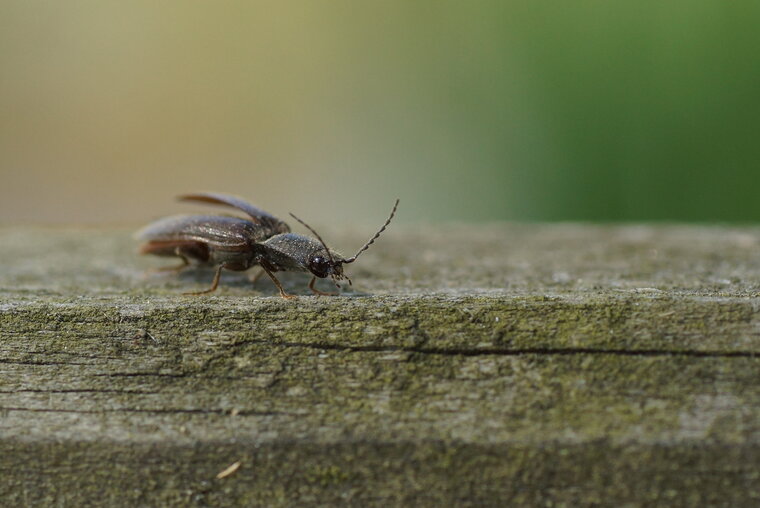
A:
[472,111]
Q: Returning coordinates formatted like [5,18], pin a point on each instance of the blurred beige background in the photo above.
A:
[471,111]
[110,109]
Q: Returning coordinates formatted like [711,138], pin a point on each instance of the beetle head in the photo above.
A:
[324,263]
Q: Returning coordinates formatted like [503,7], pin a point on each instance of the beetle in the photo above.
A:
[233,243]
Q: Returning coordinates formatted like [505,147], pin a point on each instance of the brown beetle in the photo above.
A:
[233,243]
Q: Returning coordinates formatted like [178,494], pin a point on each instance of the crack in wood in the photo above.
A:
[146,411]
[86,390]
[514,352]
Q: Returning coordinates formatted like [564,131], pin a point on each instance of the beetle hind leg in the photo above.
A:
[172,269]
[214,284]
[186,250]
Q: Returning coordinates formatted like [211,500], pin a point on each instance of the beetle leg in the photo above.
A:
[168,269]
[317,291]
[214,283]
[256,277]
[277,283]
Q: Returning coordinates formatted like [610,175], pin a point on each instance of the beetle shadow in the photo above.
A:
[198,278]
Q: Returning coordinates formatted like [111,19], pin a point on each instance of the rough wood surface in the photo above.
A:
[564,364]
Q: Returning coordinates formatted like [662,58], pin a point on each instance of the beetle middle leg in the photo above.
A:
[317,291]
[214,283]
[256,277]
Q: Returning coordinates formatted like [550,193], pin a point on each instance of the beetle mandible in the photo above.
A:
[233,243]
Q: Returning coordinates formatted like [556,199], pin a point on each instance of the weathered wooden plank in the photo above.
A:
[571,365]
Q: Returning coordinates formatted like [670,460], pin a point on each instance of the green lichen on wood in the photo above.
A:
[562,365]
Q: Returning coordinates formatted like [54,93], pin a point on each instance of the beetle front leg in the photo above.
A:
[277,283]
[317,291]
[214,283]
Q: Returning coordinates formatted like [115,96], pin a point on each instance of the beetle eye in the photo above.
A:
[319,266]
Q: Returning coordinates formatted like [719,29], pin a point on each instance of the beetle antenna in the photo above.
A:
[329,255]
[377,235]
[332,261]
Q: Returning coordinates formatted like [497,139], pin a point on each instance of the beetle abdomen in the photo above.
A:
[188,249]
